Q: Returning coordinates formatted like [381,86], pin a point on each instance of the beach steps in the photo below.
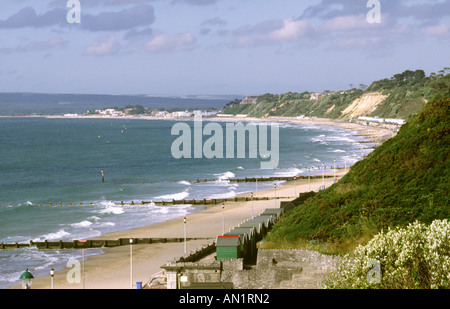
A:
[92,243]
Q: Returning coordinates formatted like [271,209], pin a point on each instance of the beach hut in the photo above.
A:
[277,212]
[228,247]
[248,241]
[266,220]
[258,225]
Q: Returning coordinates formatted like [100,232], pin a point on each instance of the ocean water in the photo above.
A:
[55,161]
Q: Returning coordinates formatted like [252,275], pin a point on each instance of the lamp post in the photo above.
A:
[323,176]
[295,187]
[131,263]
[275,195]
[252,203]
[84,276]
[184,220]
[223,219]
[27,279]
[334,167]
[52,273]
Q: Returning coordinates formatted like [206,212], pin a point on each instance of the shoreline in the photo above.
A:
[376,133]
[111,269]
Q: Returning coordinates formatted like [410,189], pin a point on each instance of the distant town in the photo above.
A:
[118,112]
[139,110]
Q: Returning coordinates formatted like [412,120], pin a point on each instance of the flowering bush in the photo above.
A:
[417,256]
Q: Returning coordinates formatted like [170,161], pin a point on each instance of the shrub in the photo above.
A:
[417,256]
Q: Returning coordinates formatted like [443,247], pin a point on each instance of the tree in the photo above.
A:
[419,75]
[136,109]
[442,86]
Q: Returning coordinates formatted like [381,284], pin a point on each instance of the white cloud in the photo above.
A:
[176,43]
[346,23]
[104,45]
[291,30]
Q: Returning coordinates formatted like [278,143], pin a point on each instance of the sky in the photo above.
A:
[216,47]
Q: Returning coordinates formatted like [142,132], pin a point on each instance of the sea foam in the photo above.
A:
[174,196]
[184,182]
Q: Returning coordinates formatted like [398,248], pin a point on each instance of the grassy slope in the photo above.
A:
[407,178]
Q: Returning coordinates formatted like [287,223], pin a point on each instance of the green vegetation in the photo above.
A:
[405,179]
[407,93]
[414,257]
[393,206]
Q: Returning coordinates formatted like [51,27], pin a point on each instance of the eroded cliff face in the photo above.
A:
[364,105]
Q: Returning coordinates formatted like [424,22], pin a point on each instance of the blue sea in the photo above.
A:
[50,160]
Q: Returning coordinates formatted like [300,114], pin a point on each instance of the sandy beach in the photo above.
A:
[111,270]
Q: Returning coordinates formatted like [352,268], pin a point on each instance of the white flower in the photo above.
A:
[417,256]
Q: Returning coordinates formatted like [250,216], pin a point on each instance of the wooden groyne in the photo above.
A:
[286,178]
[268,179]
[92,243]
[206,201]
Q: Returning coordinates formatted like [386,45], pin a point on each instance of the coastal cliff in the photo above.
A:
[400,96]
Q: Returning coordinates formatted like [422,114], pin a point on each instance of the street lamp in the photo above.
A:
[309,179]
[52,273]
[295,187]
[275,193]
[223,218]
[184,220]
[252,203]
[334,167]
[131,263]
[323,176]
[27,279]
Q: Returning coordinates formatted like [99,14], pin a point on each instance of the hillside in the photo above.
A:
[400,96]
[405,179]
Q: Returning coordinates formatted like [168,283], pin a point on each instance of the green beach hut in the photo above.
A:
[247,236]
[228,247]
